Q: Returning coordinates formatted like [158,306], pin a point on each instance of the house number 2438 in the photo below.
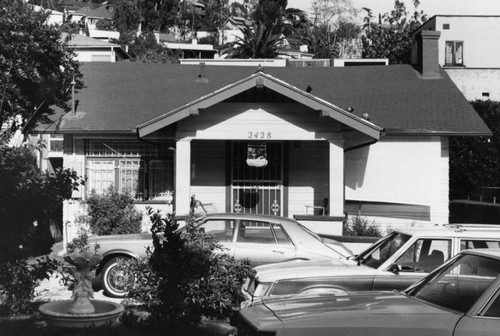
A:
[259,135]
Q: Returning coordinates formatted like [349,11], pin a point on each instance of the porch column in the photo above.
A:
[336,178]
[182,176]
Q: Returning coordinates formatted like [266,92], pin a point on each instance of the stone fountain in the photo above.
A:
[81,311]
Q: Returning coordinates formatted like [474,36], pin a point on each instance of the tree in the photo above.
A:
[475,161]
[36,67]
[257,42]
[334,32]
[391,38]
[262,38]
[37,71]
[145,49]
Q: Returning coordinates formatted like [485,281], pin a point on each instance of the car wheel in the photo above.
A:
[116,278]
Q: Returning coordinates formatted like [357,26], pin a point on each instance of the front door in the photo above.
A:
[257,177]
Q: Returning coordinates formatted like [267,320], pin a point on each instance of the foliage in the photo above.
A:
[186,276]
[475,161]
[392,38]
[145,49]
[359,226]
[18,280]
[81,244]
[333,32]
[263,37]
[29,200]
[36,67]
[113,213]
[257,42]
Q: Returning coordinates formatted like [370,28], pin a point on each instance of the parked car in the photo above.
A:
[460,298]
[261,239]
[394,262]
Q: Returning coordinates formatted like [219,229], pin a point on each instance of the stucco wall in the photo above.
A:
[480,36]
[408,170]
[477,83]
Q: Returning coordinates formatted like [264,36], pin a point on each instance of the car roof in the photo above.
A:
[454,230]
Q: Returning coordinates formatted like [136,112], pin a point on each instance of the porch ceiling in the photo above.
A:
[261,80]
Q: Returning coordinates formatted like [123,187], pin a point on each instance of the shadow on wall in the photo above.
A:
[355,167]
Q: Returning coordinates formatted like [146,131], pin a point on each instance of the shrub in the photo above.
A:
[19,279]
[183,279]
[113,213]
[359,226]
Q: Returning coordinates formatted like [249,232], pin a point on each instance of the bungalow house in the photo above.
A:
[310,143]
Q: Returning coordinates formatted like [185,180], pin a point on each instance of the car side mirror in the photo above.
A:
[395,268]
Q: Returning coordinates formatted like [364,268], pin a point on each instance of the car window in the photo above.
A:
[425,255]
[458,286]
[255,232]
[221,229]
[466,244]
[376,256]
[281,236]
[494,308]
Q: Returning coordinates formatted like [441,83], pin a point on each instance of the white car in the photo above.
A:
[259,238]
[394,262]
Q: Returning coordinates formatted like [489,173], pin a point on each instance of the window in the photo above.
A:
[262,233]
[494,308]
[466,244]
[56,142]
[454,53]
[101,175]
[461,284]
[425,255]
[142,170]
[221,229]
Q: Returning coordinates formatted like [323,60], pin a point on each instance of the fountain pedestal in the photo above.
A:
[81,312]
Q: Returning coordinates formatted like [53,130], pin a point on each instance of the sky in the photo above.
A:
[430,7]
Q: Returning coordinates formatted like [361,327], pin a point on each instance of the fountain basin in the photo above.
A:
[56,313]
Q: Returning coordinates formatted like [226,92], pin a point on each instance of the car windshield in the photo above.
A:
[460,284]
[382,250]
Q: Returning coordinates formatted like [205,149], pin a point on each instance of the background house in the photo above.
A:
[468,51]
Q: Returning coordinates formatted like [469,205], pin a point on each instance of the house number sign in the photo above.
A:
[260,135]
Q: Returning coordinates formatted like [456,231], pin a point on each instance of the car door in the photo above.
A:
[262,242]
[412,263]
[485,320]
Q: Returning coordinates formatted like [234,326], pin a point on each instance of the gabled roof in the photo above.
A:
[117,97]
[260,79]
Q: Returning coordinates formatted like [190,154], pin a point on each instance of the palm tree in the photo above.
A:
[258,41]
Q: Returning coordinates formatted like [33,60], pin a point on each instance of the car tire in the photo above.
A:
[115,279]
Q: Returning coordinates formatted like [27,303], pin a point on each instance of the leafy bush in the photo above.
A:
[29,200]
[18,281]
[359,226]
[183,279]
[113,213]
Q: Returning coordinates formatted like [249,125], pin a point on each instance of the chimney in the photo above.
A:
[426,56]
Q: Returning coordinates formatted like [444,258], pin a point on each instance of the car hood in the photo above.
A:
[359,304]
[310,269]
